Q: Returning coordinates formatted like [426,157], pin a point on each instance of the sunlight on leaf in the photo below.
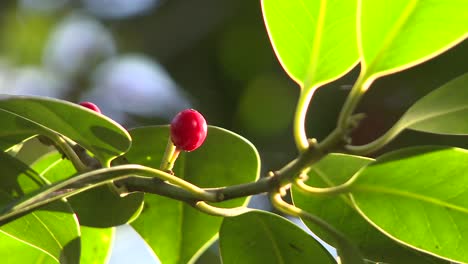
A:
[263,237]
[97,133]
[443,111]
[398,34]
[336,169]
[315,41]
[96,244]
[53,228]
[419,197]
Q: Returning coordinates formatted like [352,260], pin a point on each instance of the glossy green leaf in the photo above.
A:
[52,228]
[315,41]
[398,34]
[336,169]
[15,129]
[19,252]
[418,196]
[175,231]
[443,111]
[97,133]
[97,207]
[263,237]
[96,245]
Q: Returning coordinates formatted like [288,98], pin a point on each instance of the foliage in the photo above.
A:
[404,206]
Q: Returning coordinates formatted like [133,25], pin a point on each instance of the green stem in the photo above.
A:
[348,252]
[262,185]
[68,151]
[292,210]
[98,177]
[300,135]
[339,189]
[170,155]
[334,141]
[360,87]
[376,144]
[156,186]
[217,211]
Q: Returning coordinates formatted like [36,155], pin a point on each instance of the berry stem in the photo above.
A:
[170,156]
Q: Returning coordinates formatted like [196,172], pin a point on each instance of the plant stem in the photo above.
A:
[339,189]
[170,156]
[68,151]
[360,87]
[292,210]
[217,211]
[300,135]
[376,144]
[96,178]
[334,141]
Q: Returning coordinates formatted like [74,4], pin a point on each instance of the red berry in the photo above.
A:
[188,130]
[91,106]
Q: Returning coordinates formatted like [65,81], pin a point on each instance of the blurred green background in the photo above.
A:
[142,61]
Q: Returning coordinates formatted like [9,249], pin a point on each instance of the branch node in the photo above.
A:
[219,196]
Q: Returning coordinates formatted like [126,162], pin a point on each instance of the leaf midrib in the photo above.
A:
[272,240]
[406,194]
[400,22]
[316,45]
[35,246]
[434,115]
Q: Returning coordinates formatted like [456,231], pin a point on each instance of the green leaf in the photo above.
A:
[263,237]
[52,229]
[398,34]
[336,169]
[315,41]
[96,244]
[175,231]
[419,197]
[97,207]
[443,111]
[15,129]
[19,252]
[97,133]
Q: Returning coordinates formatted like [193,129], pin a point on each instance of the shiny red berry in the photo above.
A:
[188,130]
[91,106]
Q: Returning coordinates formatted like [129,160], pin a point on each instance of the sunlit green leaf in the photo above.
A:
[97,133]
[418,196]
[175,231]
[336,169]
[97,207]
[15,129]
[315,41]
[262,237]
[19,252]
[96,245]
[52,228]
[395,35]
[443,111]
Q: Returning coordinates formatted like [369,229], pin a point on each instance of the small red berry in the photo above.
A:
[188,130]
[91,106]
